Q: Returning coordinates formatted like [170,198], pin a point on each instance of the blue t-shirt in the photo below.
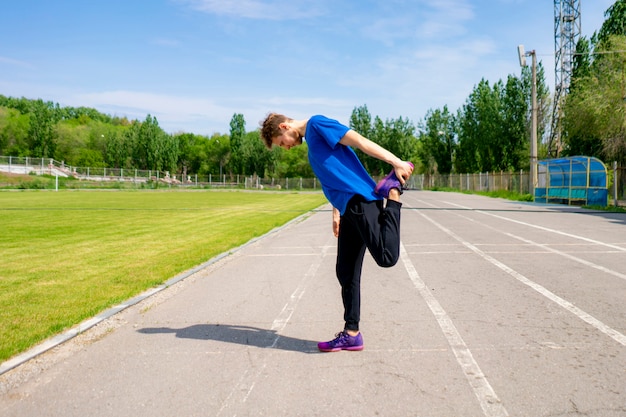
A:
[336,166]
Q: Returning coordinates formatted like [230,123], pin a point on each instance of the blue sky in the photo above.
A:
[192,64]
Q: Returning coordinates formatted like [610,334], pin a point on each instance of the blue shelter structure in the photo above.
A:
[579,180]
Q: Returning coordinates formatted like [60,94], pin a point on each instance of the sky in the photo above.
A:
[193,64]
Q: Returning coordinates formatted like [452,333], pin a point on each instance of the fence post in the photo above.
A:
[615,202]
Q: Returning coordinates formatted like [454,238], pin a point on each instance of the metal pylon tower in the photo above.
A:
[566,34]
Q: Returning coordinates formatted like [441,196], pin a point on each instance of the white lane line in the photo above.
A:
[586,317]
[248,380]
[551,249]
[489,401]
[546,229]
[285,315]
[572,257]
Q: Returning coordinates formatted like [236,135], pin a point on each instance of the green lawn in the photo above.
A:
[66,256]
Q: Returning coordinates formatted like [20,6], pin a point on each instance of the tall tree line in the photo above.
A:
[83,137]
[490,132]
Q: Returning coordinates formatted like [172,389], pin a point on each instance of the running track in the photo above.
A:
[496,308]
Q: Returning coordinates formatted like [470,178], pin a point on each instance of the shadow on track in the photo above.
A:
[242,335]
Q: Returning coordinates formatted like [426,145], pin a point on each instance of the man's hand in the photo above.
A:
[403,171]
[336,220]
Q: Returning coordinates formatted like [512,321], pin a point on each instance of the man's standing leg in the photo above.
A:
[350,253]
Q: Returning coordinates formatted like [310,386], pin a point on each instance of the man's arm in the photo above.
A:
[355,140]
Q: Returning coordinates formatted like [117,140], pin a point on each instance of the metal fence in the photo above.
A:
[137,177]
[489,181]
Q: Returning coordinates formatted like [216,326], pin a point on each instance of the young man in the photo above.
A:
[361,219]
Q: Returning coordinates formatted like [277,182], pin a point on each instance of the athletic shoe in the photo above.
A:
[388,183]
[342,341]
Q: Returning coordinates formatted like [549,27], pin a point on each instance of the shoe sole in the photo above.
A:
[351,348]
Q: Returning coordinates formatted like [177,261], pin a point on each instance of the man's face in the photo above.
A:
[288,138]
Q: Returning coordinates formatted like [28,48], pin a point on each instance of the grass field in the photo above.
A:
[66,256]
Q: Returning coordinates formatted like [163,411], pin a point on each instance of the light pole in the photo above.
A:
[533,117]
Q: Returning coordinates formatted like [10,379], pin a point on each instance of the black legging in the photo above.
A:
[365,224]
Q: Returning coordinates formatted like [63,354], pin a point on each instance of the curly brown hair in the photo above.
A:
[270,127]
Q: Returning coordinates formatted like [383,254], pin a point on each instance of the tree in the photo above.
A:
[396,135]
[152,148]
[544,103]
[361,120]
[594,114]
[13,132]
[515,136]
[193,153]
[594,120]
[89,158]
[437,139]
[237,133]
[479,129]
[217,155]
[255,157]
[615,23]
[118,150]
[41,133]
[494,124]
[582,62]
[71,139]
[399,139]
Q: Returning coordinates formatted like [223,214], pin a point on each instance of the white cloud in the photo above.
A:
[164,104]
[205,116]
[15,62]
[454,9]
[166,42]
[389,30]
[444,18]
[172,112]
[259,9]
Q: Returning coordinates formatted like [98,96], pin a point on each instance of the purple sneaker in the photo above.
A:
[342,341]
[388,183]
